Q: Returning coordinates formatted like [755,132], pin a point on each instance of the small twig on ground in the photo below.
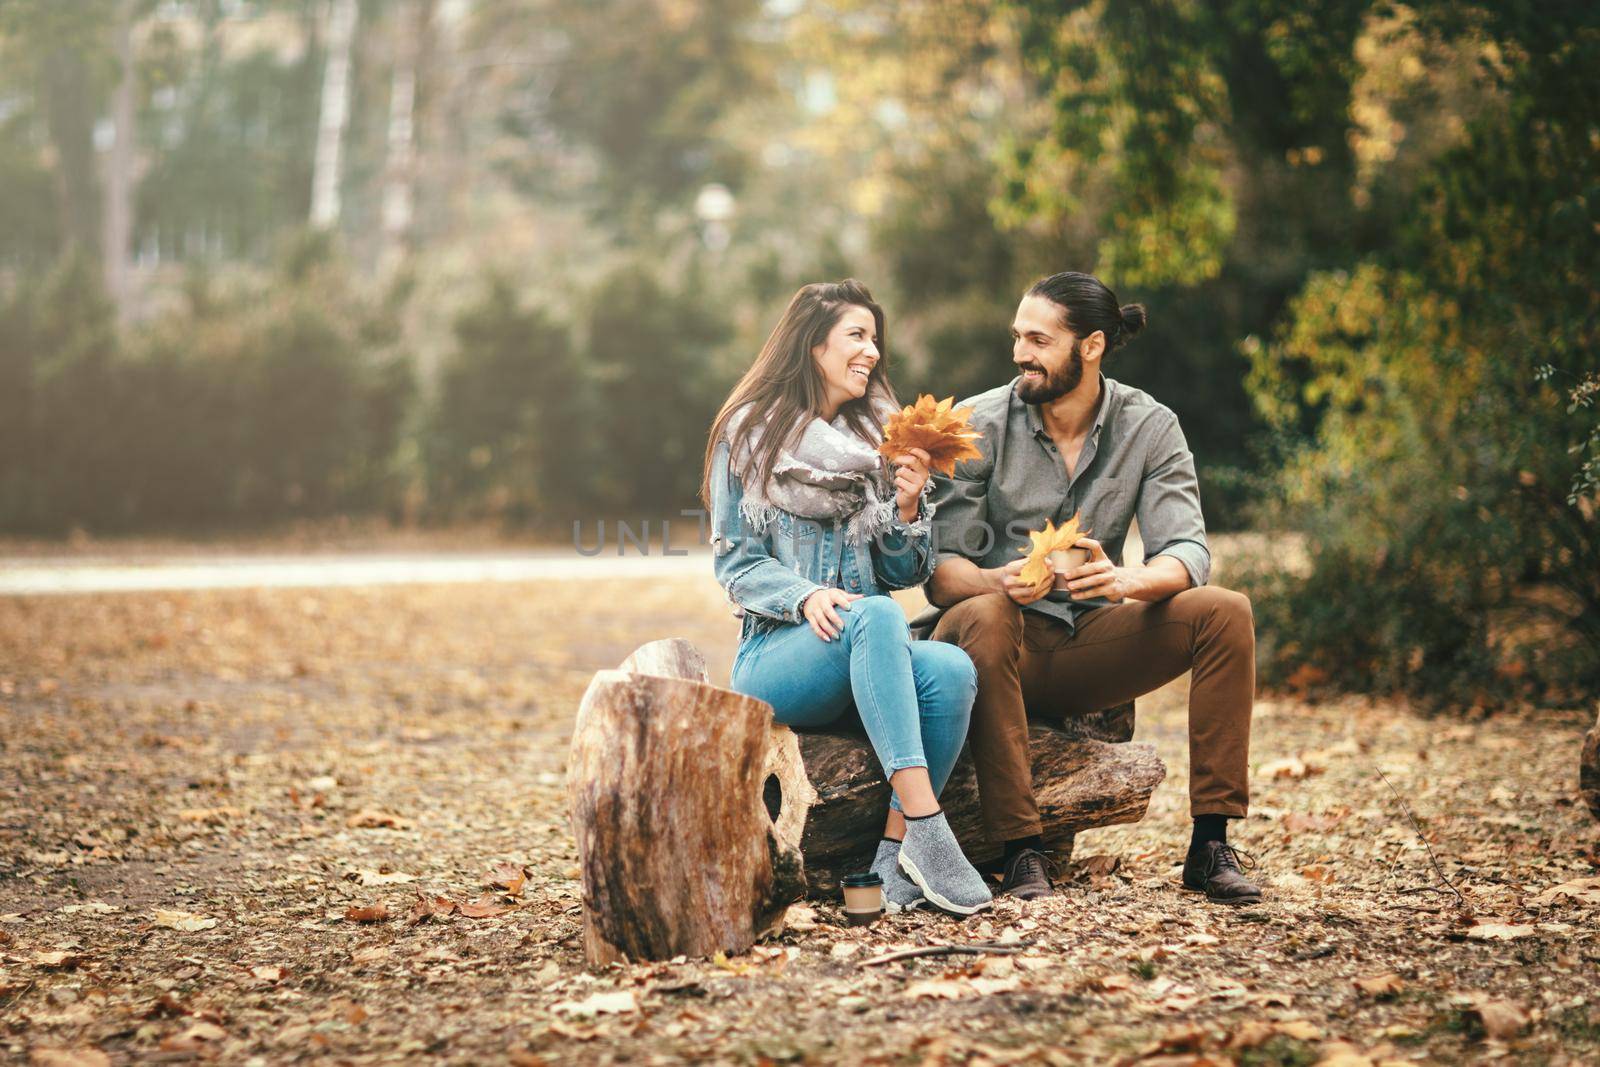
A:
[1418,830]
[18,995]
[981,949]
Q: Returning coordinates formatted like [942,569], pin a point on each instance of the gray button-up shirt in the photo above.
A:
[1134,463]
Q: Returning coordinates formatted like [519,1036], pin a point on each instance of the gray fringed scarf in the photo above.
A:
[829,474]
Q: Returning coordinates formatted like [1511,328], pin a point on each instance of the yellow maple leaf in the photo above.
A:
[943,430]
[1037,571]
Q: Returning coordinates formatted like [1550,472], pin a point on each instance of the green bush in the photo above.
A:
[506,435]
[278,400]
[1452,542]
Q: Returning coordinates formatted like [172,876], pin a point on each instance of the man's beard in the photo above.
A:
[1057,383]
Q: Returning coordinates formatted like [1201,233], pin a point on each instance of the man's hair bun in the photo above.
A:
[1132,319]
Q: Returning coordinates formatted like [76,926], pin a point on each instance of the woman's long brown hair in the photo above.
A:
[785,386]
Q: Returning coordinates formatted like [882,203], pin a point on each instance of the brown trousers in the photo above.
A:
[1032,663]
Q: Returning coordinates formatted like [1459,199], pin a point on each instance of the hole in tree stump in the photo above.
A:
[772,796]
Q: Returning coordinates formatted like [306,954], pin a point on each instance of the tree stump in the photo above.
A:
[829,788]
[692,811]
[1589,770]
[676,852]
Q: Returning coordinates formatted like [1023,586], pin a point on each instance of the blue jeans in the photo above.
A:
[914,697]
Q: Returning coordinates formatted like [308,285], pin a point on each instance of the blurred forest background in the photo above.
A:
[443,261]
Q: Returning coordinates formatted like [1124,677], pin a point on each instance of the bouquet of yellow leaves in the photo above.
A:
[1038,571]
[929,424]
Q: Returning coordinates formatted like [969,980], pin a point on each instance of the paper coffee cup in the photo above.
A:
[1063,560]
[863,897]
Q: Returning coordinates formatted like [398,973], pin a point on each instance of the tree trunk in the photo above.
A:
[69,117]
[412,31]
[830,794]
[676,852]
[334,115]
[119,171]
[1589,770]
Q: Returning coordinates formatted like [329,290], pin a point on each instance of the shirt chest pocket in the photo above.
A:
[1107,507]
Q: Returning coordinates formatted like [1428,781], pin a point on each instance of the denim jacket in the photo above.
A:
[770,574]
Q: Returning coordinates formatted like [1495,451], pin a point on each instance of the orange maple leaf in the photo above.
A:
[936,426]
[1037,571]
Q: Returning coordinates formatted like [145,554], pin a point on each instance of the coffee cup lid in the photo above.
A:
[856,881]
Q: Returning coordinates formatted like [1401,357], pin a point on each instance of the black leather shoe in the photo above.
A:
[1214,868]
[1027,876]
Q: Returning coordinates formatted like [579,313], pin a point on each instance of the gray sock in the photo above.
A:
[899,892]
[932,858]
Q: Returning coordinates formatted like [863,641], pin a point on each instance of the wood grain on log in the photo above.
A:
[1589,770]
[675,849]
[831,792]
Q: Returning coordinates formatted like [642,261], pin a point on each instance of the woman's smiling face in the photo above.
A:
[846,359]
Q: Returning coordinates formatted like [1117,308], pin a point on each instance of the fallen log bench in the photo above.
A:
[698,821]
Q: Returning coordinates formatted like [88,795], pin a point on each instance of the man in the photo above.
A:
[1063,439]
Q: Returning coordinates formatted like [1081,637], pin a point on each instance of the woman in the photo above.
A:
[809,532]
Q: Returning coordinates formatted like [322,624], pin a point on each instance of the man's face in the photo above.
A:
[1049,357]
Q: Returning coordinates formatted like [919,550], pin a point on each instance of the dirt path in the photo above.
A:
[34,576]
[196,788]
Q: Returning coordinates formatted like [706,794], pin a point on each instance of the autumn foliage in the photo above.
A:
[1037,571]
[944,431]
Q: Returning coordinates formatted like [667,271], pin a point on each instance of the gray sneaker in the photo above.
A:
[899,892]
[932,858]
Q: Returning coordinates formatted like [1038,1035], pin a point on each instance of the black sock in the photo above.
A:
[1209,828]
[1035,842]
[919,818]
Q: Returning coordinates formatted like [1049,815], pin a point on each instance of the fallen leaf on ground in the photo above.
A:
[1499,932]
[485,907]
[370,877]
[370,818]
[1099,866]
[1288,767]
[1299,1029]
[1501,1018]
[510,877]
[56,961]
[618,1003]
[187,921]
[426,907]
[1187,1038]
[194,1039]
[370,913]
[1577,891]
[268,974]
[213,816]
[69,1057]
[939,989]
[1250,1034]
[97,907]
[1343,1054]
[1380,985]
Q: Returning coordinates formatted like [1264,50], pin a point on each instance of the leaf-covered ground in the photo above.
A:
[297,825]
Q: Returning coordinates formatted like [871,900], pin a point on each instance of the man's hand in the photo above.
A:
[819,610]
[1099,577]
[911,472]
[1014,587]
